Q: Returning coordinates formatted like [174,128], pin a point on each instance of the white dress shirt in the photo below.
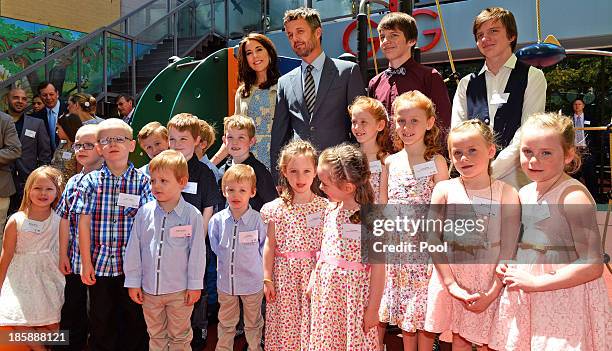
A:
[506,166]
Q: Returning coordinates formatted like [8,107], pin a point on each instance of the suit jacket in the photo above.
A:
[330,124]
[42,114]
[10,150]
[35,147]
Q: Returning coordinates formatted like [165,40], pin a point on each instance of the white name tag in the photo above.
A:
[425,169]
[532,214]
[484,206]
[249,237]
[191,188]
[313,220]
[183,231]
[351,231]
[128,200]
[375,166]
[498,99]
[66,155]
[30,133]
[32,226]
[587,123]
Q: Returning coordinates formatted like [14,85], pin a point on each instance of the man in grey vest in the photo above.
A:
[503,94]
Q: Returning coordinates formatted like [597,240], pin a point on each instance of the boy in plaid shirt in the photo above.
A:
[74,310]
[107,201]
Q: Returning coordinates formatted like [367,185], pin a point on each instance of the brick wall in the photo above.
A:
[79,15]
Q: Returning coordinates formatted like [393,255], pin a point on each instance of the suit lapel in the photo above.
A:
[327,78]
[296,84]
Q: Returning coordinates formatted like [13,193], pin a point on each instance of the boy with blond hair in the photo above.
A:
[106,202]
[74,310]
[166,256]
[201,191]
[239,259]
[153,139]
[207,139]
[239,137]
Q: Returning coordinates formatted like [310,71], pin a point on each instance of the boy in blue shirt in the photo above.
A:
[74,310]
[166,256]
[106,203]
[237,235]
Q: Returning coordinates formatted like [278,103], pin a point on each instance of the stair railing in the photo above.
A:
[101,48]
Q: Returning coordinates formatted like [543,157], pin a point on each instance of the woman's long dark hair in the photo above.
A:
[70,123]
[247,78]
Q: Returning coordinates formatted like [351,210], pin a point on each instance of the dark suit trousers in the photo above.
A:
[74,313]
[117,322]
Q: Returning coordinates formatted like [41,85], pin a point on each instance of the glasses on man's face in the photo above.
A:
[109,140]
[86,146]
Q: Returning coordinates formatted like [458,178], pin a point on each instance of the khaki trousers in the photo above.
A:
[168,321]
[229,314]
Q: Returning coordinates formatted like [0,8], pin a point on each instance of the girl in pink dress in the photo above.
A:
[345,293]
[408,178]
[555,297]
[370,128]
[464,289]
[293,241]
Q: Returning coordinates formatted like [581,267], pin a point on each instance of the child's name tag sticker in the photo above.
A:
[541,211]
[375,166]
[30,133]
[249,237]
[128,200]
[181,231]
[498,99]
[587,123]
[425,169]
[351,231]
[534,213]
[313,220]
[191,188]
[66,155]
[483,206]
[32,226]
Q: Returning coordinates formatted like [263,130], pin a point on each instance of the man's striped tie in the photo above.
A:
[309,90]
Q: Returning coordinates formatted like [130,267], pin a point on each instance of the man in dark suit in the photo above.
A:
[312,99]
[54,108]
[35,145]
[587,142]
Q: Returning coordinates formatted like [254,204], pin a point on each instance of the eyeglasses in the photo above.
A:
[109,140]
[86,146]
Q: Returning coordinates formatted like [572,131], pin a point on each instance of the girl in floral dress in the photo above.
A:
[64,157]
[464,289]
[408,178]
[294,239]
[345,293]
[369,126]
[554,297]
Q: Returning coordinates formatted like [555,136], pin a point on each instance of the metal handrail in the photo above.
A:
[165,17]
[34,40]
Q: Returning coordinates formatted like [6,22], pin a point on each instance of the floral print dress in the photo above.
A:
[404,300]
[340,296]
[298,232]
